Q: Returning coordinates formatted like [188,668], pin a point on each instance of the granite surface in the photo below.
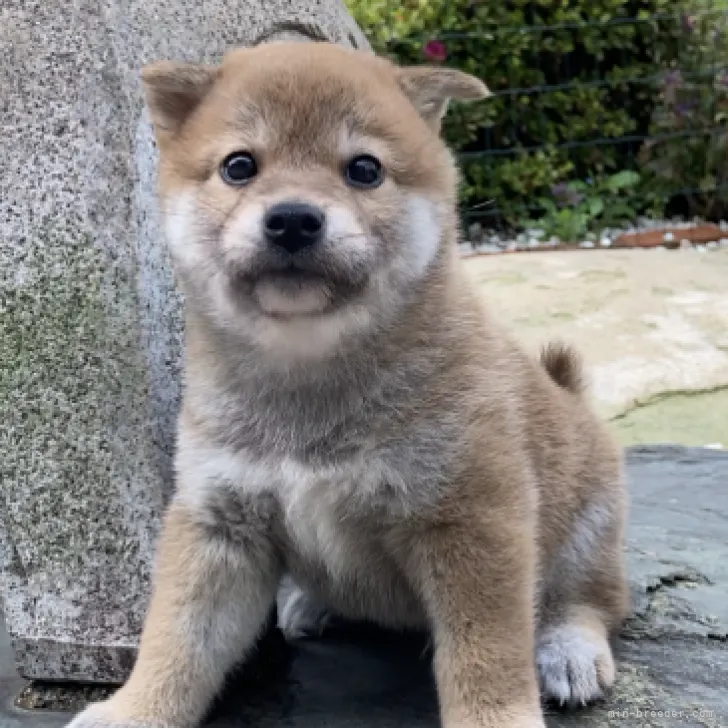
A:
[672,654]
[90,324]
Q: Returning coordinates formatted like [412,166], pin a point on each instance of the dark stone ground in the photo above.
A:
[673,652]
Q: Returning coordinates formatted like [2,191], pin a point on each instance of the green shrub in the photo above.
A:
[577,208]
[576,86]
[688,151]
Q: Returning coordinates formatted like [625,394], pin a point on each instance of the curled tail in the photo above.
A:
[563,365]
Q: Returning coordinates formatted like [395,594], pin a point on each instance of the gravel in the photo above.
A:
[482,241]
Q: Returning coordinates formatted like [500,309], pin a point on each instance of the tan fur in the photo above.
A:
[368,438]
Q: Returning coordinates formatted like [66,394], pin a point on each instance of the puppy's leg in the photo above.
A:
[586,600]
[476,579]
[214,586]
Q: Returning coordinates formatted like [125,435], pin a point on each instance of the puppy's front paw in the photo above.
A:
[522,719]
[575,665]
[508,719]
[535,721]
[105,715]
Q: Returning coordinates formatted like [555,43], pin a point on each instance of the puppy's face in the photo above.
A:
[305,187]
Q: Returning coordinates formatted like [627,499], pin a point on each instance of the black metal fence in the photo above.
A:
[672,162]
[593,124]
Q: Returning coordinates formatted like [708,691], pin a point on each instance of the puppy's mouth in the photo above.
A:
[297,288]
[291,292]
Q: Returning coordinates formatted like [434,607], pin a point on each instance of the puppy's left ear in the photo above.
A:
[431,89]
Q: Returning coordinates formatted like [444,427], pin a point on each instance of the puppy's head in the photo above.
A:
[304,185]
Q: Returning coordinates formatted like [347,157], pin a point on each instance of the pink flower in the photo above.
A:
[435,50]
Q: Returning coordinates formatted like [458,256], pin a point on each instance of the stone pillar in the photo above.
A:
[90,324]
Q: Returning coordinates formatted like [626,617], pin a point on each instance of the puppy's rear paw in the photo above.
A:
[575,665]
[300,614]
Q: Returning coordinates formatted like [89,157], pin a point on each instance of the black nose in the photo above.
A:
[293,225]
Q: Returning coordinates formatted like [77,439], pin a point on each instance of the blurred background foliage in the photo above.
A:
[603,110]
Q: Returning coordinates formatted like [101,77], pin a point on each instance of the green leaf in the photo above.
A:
[595,206]
[622,180]
[620,212]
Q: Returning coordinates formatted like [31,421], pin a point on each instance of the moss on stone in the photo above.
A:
[687,417]
[72,396]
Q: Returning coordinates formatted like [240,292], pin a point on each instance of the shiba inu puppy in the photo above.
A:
[357,437]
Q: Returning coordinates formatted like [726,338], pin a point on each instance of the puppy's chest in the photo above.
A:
[321,534]
[333,515]
[330,503]
[326,511]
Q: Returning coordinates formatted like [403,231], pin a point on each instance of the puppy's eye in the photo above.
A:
[238,168]
[364,171]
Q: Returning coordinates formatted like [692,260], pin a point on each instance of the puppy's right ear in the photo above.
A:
[174,90]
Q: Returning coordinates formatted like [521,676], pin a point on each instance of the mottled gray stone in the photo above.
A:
[672,655]
[89,320]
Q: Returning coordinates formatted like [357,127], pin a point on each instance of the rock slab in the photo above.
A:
[672,654]
[90,324]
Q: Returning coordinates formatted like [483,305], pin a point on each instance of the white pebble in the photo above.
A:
[489,248]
